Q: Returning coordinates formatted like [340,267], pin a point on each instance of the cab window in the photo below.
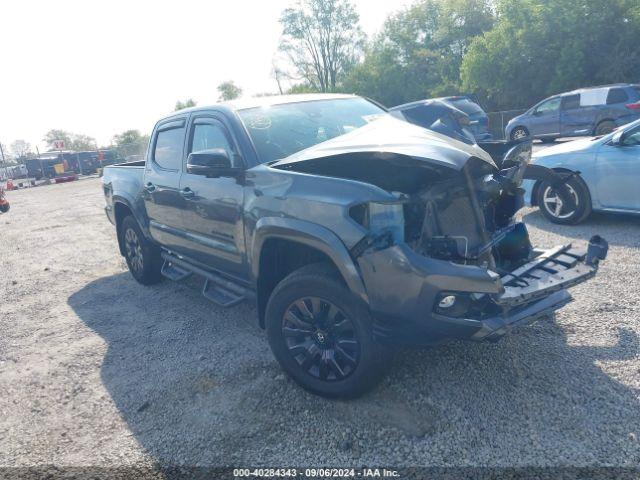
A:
[550,106]
[210,134]
[632,137]
[167,151]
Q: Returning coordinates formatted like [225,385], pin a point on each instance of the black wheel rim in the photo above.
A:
[133,250]
[321,338]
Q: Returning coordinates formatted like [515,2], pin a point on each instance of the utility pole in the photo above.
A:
[2,152]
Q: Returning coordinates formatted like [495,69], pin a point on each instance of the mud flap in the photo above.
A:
[553,270]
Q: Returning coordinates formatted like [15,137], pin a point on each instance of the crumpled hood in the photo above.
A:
[389,135]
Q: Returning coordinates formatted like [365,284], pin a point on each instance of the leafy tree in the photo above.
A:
[322,40]
[82,142]
[21,149]
[72,141]
[419,51]
[52,135]
[190,102]
[228,91]
[541,48]
[302,88]
[130,142]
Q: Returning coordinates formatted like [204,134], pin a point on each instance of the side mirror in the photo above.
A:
[211,163]
[616,140]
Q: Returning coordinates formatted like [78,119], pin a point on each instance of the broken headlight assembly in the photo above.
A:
[380,218]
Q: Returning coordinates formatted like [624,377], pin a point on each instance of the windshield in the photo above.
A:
[278,131]
[466,105]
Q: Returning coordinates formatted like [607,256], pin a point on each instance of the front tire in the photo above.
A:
[553,209]
[143,257]
[519,133]
[321,334]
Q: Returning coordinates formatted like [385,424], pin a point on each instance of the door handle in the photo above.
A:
[187,193]
[149,187]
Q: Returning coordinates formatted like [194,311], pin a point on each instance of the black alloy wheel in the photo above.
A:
[133,250]
[321,338]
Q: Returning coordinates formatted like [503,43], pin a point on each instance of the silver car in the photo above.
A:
[603,175]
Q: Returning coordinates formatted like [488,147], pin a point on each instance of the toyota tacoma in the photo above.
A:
[350,229]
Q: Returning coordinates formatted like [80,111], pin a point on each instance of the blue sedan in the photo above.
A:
[603,174]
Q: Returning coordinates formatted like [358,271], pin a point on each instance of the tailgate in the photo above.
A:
[552,270]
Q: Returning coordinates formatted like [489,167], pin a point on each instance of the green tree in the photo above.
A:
[130,142]
[228,91]
[190,102]
[322,40]
[541,48]
[419,51]
[55,134]
[72,141]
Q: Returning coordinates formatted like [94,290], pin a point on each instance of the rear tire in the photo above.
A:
[143,257]
[605,127]
[551,206]
[321,334]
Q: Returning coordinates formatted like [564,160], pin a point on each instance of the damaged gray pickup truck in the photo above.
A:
[351,230]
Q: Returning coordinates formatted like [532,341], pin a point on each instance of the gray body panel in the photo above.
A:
[224,222]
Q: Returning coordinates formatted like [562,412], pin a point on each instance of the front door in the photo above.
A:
[160,192]
[618,173]
[212,218]
[545,119]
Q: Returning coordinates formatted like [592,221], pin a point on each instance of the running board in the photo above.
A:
[220,290]
[173,271]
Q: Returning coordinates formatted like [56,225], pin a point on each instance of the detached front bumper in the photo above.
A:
[403,288]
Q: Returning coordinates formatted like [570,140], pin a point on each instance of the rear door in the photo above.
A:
[618,173]
[545,118]
[212,217]
[574,118]
[161,183]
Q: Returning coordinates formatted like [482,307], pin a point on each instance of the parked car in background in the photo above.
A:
[437,116]
[421,111]
[584,112]
[604,176]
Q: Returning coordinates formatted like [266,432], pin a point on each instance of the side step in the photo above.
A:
[173,271]
[220,290]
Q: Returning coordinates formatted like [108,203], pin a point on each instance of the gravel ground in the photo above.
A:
[98,370]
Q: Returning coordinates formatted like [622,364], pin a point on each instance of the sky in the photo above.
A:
[102,67]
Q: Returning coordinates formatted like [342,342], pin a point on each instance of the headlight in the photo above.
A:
[380,217]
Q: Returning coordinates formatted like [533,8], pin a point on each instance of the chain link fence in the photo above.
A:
[498,121]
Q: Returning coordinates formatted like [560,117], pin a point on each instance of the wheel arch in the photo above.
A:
[282,245]
[536,186]
[122,207]
[602,120]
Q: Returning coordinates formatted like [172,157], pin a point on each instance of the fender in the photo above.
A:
[313,235]
[555,179]
[140,216]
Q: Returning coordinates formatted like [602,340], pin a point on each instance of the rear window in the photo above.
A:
[617,95]
[466,105]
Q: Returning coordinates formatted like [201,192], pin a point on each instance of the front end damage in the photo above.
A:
[447,259]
